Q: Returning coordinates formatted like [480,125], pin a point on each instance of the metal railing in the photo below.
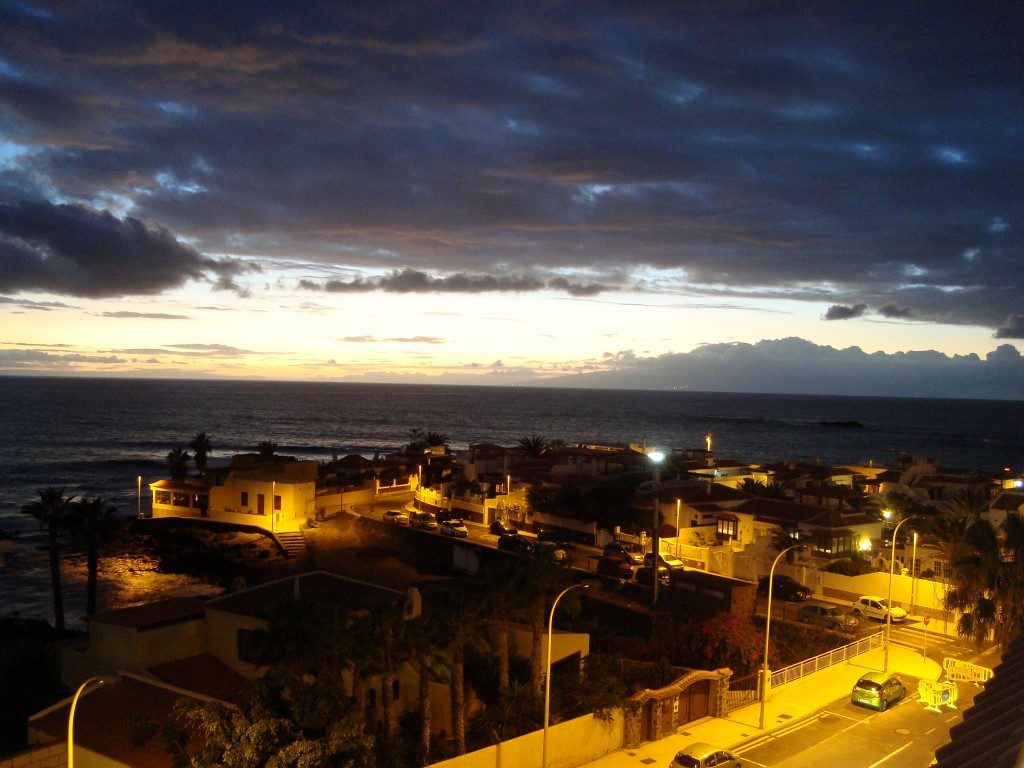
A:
[827,659]
[744,690]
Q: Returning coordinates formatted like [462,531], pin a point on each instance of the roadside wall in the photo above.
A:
[572,743]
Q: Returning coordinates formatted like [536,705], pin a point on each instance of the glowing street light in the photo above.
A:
[766,675]
[547,676]
[888,602]
[71,716]
[138,505]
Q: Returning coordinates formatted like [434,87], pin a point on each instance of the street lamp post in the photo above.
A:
[71,716]
[766,675]
[678,505]
[138,504]
[547,676]
[888,602]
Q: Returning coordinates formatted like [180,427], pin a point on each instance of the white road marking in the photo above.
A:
[891,754]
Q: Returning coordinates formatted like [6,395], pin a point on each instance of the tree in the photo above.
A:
[92,521]
[541,579]
[266,449]
[433,664]
[201,448]
[177,463]
[286,719]
[462,614]
[499,583]
[51,510]
[533,446]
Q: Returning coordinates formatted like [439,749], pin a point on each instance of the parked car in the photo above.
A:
[644,573]
[396,516]
[455,528]
[671,562]
[703,755]
[515,543]
[423,520]
[828,616]
[615,567]
[876,607]
[551,550]
[625,550]
[500,528]
[554,537]
[878,691]
[784,588]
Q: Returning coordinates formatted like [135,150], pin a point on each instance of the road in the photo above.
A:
[842,734]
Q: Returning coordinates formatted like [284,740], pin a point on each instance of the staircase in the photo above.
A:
[292,543]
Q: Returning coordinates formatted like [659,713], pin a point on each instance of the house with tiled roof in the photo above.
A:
[991,732]
[1005,504]
[828,532]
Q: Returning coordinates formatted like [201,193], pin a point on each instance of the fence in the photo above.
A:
[744,690]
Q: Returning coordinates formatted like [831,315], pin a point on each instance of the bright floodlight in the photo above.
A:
[656,456]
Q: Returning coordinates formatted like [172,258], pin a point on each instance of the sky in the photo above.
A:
[504,193]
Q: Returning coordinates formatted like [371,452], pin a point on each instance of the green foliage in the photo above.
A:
[850,566]
[286,720]
[141,729]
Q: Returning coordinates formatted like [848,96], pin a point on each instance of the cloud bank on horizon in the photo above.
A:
[863,163]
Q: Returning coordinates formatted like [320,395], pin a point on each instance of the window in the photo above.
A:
[163,497]
[726,528]
[277,503]
[179,499]
[245,499]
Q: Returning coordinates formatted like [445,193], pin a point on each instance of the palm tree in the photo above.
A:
[540,580]
[505,601]
[177,463]
[534,445]
[433,664]
[435,439]
[52,512]
[462,616]
[201,448]
[92,521]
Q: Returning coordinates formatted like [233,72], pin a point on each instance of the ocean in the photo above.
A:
[98,436]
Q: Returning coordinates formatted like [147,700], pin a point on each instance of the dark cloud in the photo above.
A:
[777,148]
[1012,328]
[841,312]
[415,281]
[147,315]
[70,249]
[895,311]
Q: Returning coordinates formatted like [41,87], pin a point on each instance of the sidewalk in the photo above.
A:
[787,705]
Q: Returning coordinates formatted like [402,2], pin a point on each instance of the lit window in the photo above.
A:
[245,499]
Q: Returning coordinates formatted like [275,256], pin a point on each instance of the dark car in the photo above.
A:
[643,575]
[501,528]
[784,588]
[553,537]
[551,551]
[828,616]
[878,691]
[515,543]
[614,566]
[625,550]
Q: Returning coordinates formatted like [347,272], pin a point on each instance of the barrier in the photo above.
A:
[935,694]
[965,672]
